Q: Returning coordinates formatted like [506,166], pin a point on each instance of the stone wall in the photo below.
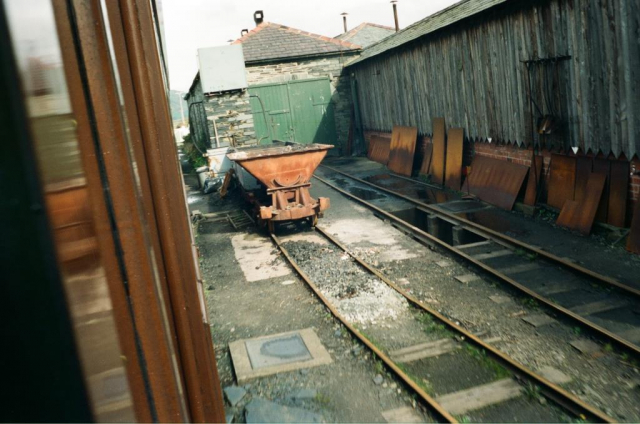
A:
[232,114]
[331,67]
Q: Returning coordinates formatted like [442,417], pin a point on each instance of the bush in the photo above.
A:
[193,155]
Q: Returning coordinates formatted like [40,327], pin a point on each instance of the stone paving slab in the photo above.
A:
[264,411]
[246,369]
[467,278]
[538,320]
[401,415]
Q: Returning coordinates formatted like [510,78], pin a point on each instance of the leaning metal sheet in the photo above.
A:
[379,147]
[533,182]
[583,170]
[437,156]
[602,166]
[580,215]
[426,160]
[618,186]
[633,242]
[453,167]
[496,181]
[403,147]
[562,180]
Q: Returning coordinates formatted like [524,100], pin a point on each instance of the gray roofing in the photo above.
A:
[366,34]
[462,9]
[270,42]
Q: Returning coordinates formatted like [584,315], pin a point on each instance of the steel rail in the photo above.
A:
[428,239]
[549,389]
[439,411]
[491,234]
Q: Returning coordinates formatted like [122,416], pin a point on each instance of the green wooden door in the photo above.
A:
[312,111]
[298,110]
[278,124]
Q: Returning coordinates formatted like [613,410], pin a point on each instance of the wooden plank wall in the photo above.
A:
[471,73]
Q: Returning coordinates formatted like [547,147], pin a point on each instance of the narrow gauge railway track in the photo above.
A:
[519,377]
[493,249]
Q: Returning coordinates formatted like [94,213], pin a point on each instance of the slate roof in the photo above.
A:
[461,10]
[271,42]
[366,34]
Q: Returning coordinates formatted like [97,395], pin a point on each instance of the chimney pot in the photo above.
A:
[395,14]
[258,17]
[243,32]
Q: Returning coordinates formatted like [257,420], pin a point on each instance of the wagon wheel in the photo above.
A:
[313,221]
[272,227]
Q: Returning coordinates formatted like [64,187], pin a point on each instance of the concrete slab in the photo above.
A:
[499,299]
[633,335]
[277,353]
[402,415]
[467,278]
[476,244]
[586,347]
[480,396]
[538,320]
[558,288]
[494,254]
[264,411]
[599,306]
[234,394]
[519,268]
[257,257]
[424,350]
[554,375]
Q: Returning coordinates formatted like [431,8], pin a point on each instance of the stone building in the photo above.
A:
[297,90]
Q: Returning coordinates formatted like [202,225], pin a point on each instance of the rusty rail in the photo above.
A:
[440,413]
[549,389]
[491,234]
[428,239]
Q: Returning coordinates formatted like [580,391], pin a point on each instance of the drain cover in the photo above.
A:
[277,351]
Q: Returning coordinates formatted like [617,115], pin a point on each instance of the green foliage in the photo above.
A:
[529,302]
[193,155]
[480,355]
[532,391]
[431,326]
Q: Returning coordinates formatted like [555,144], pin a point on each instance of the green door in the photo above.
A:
[312,111]
[275,108]
[298,110]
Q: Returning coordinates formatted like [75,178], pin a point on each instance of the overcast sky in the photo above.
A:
[193,24]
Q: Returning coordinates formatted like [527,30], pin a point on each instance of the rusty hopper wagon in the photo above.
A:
[285,170]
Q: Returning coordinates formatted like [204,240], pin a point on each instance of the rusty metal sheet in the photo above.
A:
[584,166]
[426,159]
[562,180]
[403,147]
[603,166]
[496,181]
[437,156]
[633,242]
[535,170]
[379,149]
[453,167]
[618,186]
[580,215]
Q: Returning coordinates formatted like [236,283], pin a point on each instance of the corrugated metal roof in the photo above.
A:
[441,19]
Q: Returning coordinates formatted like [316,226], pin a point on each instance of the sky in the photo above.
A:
[193,24]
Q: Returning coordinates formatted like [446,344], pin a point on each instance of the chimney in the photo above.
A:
[258,17]
[243,32]
[344,20]
[395,14]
